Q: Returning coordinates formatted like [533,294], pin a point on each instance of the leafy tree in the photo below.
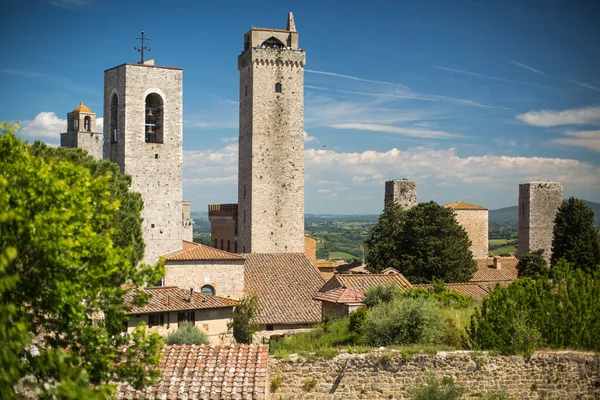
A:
[243,324]
[575,236]
[187,333]
[422,243]
[63,284]
[532,264]
[381,294]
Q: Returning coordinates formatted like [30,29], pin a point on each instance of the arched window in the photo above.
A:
[278,87]
[221,244]
[272,43]
[208,289]
[75,124]
[153,125]
[87,124]
[114,117]
[229,245]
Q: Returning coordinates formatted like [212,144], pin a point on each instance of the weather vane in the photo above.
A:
[143,47]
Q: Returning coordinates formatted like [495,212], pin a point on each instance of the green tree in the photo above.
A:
[187,333]
[243,324]
[422,243]
[575,236]
[532,264]
[64,283]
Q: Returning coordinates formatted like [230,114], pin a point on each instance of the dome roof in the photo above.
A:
[81,108]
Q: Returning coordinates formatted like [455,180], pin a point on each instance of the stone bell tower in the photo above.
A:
[143,135]
[271,146]
[81,131]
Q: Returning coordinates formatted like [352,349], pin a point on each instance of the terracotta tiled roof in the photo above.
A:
[390,270]
[285,284]
[473,290]
[190,252]
[487,273]
[341,295]
[364,282]
[170,298]
[207,372]
[461,205]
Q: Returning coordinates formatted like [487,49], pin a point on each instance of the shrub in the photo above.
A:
[187,333]
[243,324]
[404,321]
[443,297]
[309,384]
[451,335]
[532,264]
[503,395]
[275,383]
[432,389]
[381,294]
[357,322]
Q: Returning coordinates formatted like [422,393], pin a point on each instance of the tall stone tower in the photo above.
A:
[474,219]
[403,192]
[271,146]
[538,204]
[143,135]
[81,131]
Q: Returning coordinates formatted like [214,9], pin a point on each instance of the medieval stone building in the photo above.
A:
[81,131]
[402,192]
[474,219]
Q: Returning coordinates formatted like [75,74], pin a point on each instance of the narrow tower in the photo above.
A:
[143,135]
[403,192]
[271,146]
[538,204]
[81,131]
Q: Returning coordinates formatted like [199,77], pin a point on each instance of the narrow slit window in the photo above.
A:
[114,117]
[278,87]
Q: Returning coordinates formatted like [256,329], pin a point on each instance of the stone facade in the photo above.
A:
[310,248]
[212,321]
[271,145]
[388,374]
[538,204]
[187,223]
[226,276]
[474,219]
[143,135]
[223,226]
[81,132]
[402,192]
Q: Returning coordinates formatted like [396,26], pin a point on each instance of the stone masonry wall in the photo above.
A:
[271,151]
[227,277]
[403,192]
[538,204]
[475,223]
[387,375]
[155,168]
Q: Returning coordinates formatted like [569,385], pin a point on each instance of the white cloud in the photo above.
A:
[308,138]
[527,67]
[548,118]
[587,139]
[494,78]
[412,132]
[100,124]
[585,85]
[232,139]
[210,180]
[355,78]
[45,125]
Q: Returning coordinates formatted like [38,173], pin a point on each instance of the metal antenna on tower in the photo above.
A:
[143,47]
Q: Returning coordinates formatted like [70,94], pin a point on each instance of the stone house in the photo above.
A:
[169,306]
[206,269]
[344,293]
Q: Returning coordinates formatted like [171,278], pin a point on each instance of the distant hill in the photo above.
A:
[511,214]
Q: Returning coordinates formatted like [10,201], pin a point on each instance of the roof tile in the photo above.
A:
[170,298]
[461,205]
[190,252]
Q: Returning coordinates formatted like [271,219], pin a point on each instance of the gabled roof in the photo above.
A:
[364,282]
[341,295]
[171,298]
[461,205]
[487,273]
[285,284]
[198,252]
[207,372]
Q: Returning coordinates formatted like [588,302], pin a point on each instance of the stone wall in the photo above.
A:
[226,276]
[310,248]
[538,204]
[402,192]
[271,151]
[475,223]
[388,374]
[187,223]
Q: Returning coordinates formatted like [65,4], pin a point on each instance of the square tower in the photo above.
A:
[143,135]
[403,192]
[81,131]
[538,204]
[271,146]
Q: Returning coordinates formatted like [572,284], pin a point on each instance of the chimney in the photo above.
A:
[191,295]
[497,262]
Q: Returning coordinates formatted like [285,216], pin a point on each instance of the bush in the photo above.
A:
[243,323]
[381,294]
[187,333]
[356,323]
[404,321]
[433,389]
[444,298]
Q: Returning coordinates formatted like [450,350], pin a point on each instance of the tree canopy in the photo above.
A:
[575,236]
[61,278]
[532,264]
[423,242]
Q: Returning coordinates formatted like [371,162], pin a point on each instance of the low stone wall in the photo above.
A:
[388,374]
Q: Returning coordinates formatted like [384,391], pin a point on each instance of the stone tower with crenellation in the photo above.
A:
[81,131]
[402,191]
[143,135]
[538,204]
[271,146]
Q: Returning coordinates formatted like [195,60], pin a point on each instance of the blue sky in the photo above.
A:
[468,98]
